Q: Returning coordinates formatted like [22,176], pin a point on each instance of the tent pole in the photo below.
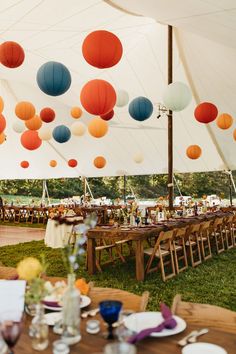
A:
[125,180]
[230,189]
[170,122]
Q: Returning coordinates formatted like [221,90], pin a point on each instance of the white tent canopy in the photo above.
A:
[55,30]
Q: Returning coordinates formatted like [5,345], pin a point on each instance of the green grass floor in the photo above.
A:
[213,282]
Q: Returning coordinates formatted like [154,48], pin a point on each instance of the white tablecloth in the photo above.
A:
[57,235]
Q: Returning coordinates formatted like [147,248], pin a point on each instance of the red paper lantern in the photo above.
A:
[193,152]
[47,115]
[102,49]
[2,123]
[108,116]
[72,163]
[25,110]
[11,54]
[99,162]
[30,140]
[224,121]
[98,97]
[24,164]
[206,112]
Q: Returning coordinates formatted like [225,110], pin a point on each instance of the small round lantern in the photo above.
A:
[177,96]
[76,112]
[30,140]
[206,112]
[72,163]
[25,110]
[108,116]
[45,133]
[61,134]
[1,104]
[53,163]
[2,123]
[24,164]
[97,127]
[18,126]
[193,152]
[224,121]
[122,98]
[78,129]
[11,54]
[138,158]
[99,162]
[140,108]
[34,123]
[47,115]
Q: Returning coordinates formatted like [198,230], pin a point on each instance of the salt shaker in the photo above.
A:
[60,347]
[93,326]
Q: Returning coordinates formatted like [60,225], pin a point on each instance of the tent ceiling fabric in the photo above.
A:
[52,30]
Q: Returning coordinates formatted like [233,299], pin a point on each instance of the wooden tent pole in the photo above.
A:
[170,122]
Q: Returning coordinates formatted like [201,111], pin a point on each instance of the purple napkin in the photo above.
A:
[169,323]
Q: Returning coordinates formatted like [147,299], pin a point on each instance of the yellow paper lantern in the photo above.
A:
[45,133]
[78,128]
[98,127]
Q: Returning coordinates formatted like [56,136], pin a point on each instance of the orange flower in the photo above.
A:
[82,286]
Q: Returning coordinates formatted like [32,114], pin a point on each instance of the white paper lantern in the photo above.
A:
[78,128]
[138,158]
[122,98]
[45,133]
[18,126]
[177,96]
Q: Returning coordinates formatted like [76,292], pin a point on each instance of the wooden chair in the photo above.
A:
[204,238]
[179,249]
[162,250]
[7,272]
[212,316]
[234,229]
[228,231]
[217,234]
[192,242]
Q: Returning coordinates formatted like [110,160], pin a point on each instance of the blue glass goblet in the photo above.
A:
[109,310]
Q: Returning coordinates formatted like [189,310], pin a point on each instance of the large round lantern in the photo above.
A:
[102,49]
[78,129]
[25,110]
[177,96]
[45,133]
[72,163]
[18,126]
[24,164]
[108,116]
[76,112]
[193,152]
[138,158]
[122,98]
[98,97]
[234,134]
[206,112]
[11,54]
[53,163]
[30,140]
[97,127]
[2,123]
[1,104]
[2,138]
[47,115]
[99,162]
[140,108]
[53,78]
[34,123]
[61,134]
[224,121]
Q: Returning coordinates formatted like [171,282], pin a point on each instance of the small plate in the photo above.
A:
[203,348]
[142,320]
[52,318]
[54,306]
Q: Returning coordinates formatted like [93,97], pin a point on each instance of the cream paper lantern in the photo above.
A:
[18,126]
[78,128]
[177,96]
[122,98]
[45,133]
[138,158]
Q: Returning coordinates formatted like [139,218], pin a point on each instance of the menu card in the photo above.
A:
[12,296]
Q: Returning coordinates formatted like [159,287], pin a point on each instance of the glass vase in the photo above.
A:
[71,313]
[39,329]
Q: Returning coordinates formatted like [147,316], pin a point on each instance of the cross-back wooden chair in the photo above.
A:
[228,231]
[204,238]
[217,234]
[163,250]
[179,249]
[192,242]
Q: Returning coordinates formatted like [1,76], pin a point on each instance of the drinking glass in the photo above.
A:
[120,348]
[109,311]
[10,327]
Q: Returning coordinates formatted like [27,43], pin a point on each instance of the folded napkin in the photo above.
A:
[168,323]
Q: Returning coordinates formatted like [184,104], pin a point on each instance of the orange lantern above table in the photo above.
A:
[224,121]
[34,123]
[30,140]
[76,112]
[99,162]
[53,163]
[25,110]
[72,163]
[193,152]
[24,164]
[98,127]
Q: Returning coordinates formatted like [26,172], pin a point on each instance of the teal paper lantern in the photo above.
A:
[140,108]
[53,78]
[61,134]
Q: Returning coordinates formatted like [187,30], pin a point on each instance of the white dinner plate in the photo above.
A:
[85,301]
[142,320]
[203,348]
[52,318]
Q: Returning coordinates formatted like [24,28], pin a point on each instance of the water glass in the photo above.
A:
[120,348]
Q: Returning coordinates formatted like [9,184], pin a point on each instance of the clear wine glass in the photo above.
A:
[10,327]
[109,310]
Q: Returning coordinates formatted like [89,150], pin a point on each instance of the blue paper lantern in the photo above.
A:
[140,108]
[61,134]
[53,78]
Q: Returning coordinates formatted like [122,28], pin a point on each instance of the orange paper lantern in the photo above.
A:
[47,114]
[53,163]
[72,163]
[1,104]
[99,162]
[108,116]
[34,123]
[2,123]
[2,138]
[102,49]
[98,127]
[76,112]
[11,54]
[30,140]
[24,164]
[98,97]
[234,134]
[206,112]
[224,121]
[25,110]
[193,152]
